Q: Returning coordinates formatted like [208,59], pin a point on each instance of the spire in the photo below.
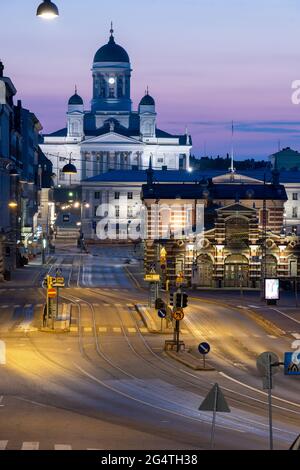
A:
[150,172]
[232,169]
[275,173]
[75,89]
[111,30]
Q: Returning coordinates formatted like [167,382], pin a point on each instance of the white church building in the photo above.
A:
[111,136]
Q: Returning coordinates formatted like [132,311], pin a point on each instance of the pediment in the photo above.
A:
[236,208]
[112,138]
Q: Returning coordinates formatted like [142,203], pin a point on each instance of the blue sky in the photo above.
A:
[206,62]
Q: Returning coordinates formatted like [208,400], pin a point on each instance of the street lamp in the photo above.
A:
[13,204]
[47,10]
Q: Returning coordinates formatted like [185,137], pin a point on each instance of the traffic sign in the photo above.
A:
[58,282]
[152,277]
[263,363]
[51,293]
[290,366]
[215,401]
[178,314]
[162,313]
[204,348]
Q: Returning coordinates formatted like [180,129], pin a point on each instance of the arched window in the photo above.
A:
[237,232]
[120,87]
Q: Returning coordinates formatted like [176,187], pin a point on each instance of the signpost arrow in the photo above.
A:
[215,402]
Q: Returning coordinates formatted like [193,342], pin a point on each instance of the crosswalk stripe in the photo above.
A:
[143,330]
[30,446]
[129,305]
[39,305]
[62,447]
[185,332]
[102,329]
[4,306]
[3,445]
[296,335]
[272,336]
[27,305]
[17,306]
[96,305]
[117,330]
[131,330]
[106,305]
[87,329]
[73,329]
[118,305]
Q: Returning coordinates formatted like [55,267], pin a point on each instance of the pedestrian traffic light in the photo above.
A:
[171,298]
[159,304]
[184,300]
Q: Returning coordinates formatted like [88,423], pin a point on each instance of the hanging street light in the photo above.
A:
[69,168]
[47,10]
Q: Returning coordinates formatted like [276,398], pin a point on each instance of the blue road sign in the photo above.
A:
[290,367]
[204,348]
[162,313]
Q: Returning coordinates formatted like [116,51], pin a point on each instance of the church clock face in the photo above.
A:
[111,80]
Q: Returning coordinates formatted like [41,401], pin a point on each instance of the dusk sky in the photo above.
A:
[207,62]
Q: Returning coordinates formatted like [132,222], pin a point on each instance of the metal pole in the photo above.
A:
[177,335]
[212,441]
[270,401]
[296,291]
[57,292]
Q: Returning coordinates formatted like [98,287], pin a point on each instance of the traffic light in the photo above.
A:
[159,304]
[171,298]
[184,300]
[178,300]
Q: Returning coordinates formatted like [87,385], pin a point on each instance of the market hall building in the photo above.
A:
[242,240]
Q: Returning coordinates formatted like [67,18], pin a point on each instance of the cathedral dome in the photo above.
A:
[75,99]
[111,52]
[147,100]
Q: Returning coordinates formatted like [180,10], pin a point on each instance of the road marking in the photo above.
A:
[296,335]
[3,445]
[106,305]
[272,336]
[118,305]
[96,305]
[74,329]
[39,305]
[4,306]
[131,330]
[286,315]
[102,329]
[87,329]
[254,306]
[27,305]
[130,305]
[30,446]
[17,306]
[62,447]
[185,332]
[1,400]
[144,330]
[117,330]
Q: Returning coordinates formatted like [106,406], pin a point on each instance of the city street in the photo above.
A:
[107,384]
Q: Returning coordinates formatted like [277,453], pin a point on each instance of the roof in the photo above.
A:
[139,176]
[147,100]
[214,191]
[111,52]
[75,99]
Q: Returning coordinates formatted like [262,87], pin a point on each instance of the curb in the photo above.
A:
[269,326]
[186,361]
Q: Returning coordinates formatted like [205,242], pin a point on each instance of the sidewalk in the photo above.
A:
[27,275]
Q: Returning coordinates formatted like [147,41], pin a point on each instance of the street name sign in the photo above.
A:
[152,277]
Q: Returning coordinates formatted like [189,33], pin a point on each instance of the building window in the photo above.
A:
[97,195]
[129,211]
[61,175]
[117,195]
[129,195]
[117,209]
[111,92]
[295,212]
[295,196]
[117,229]
[160,160]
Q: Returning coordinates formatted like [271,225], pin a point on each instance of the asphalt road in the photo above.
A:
[108,384]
